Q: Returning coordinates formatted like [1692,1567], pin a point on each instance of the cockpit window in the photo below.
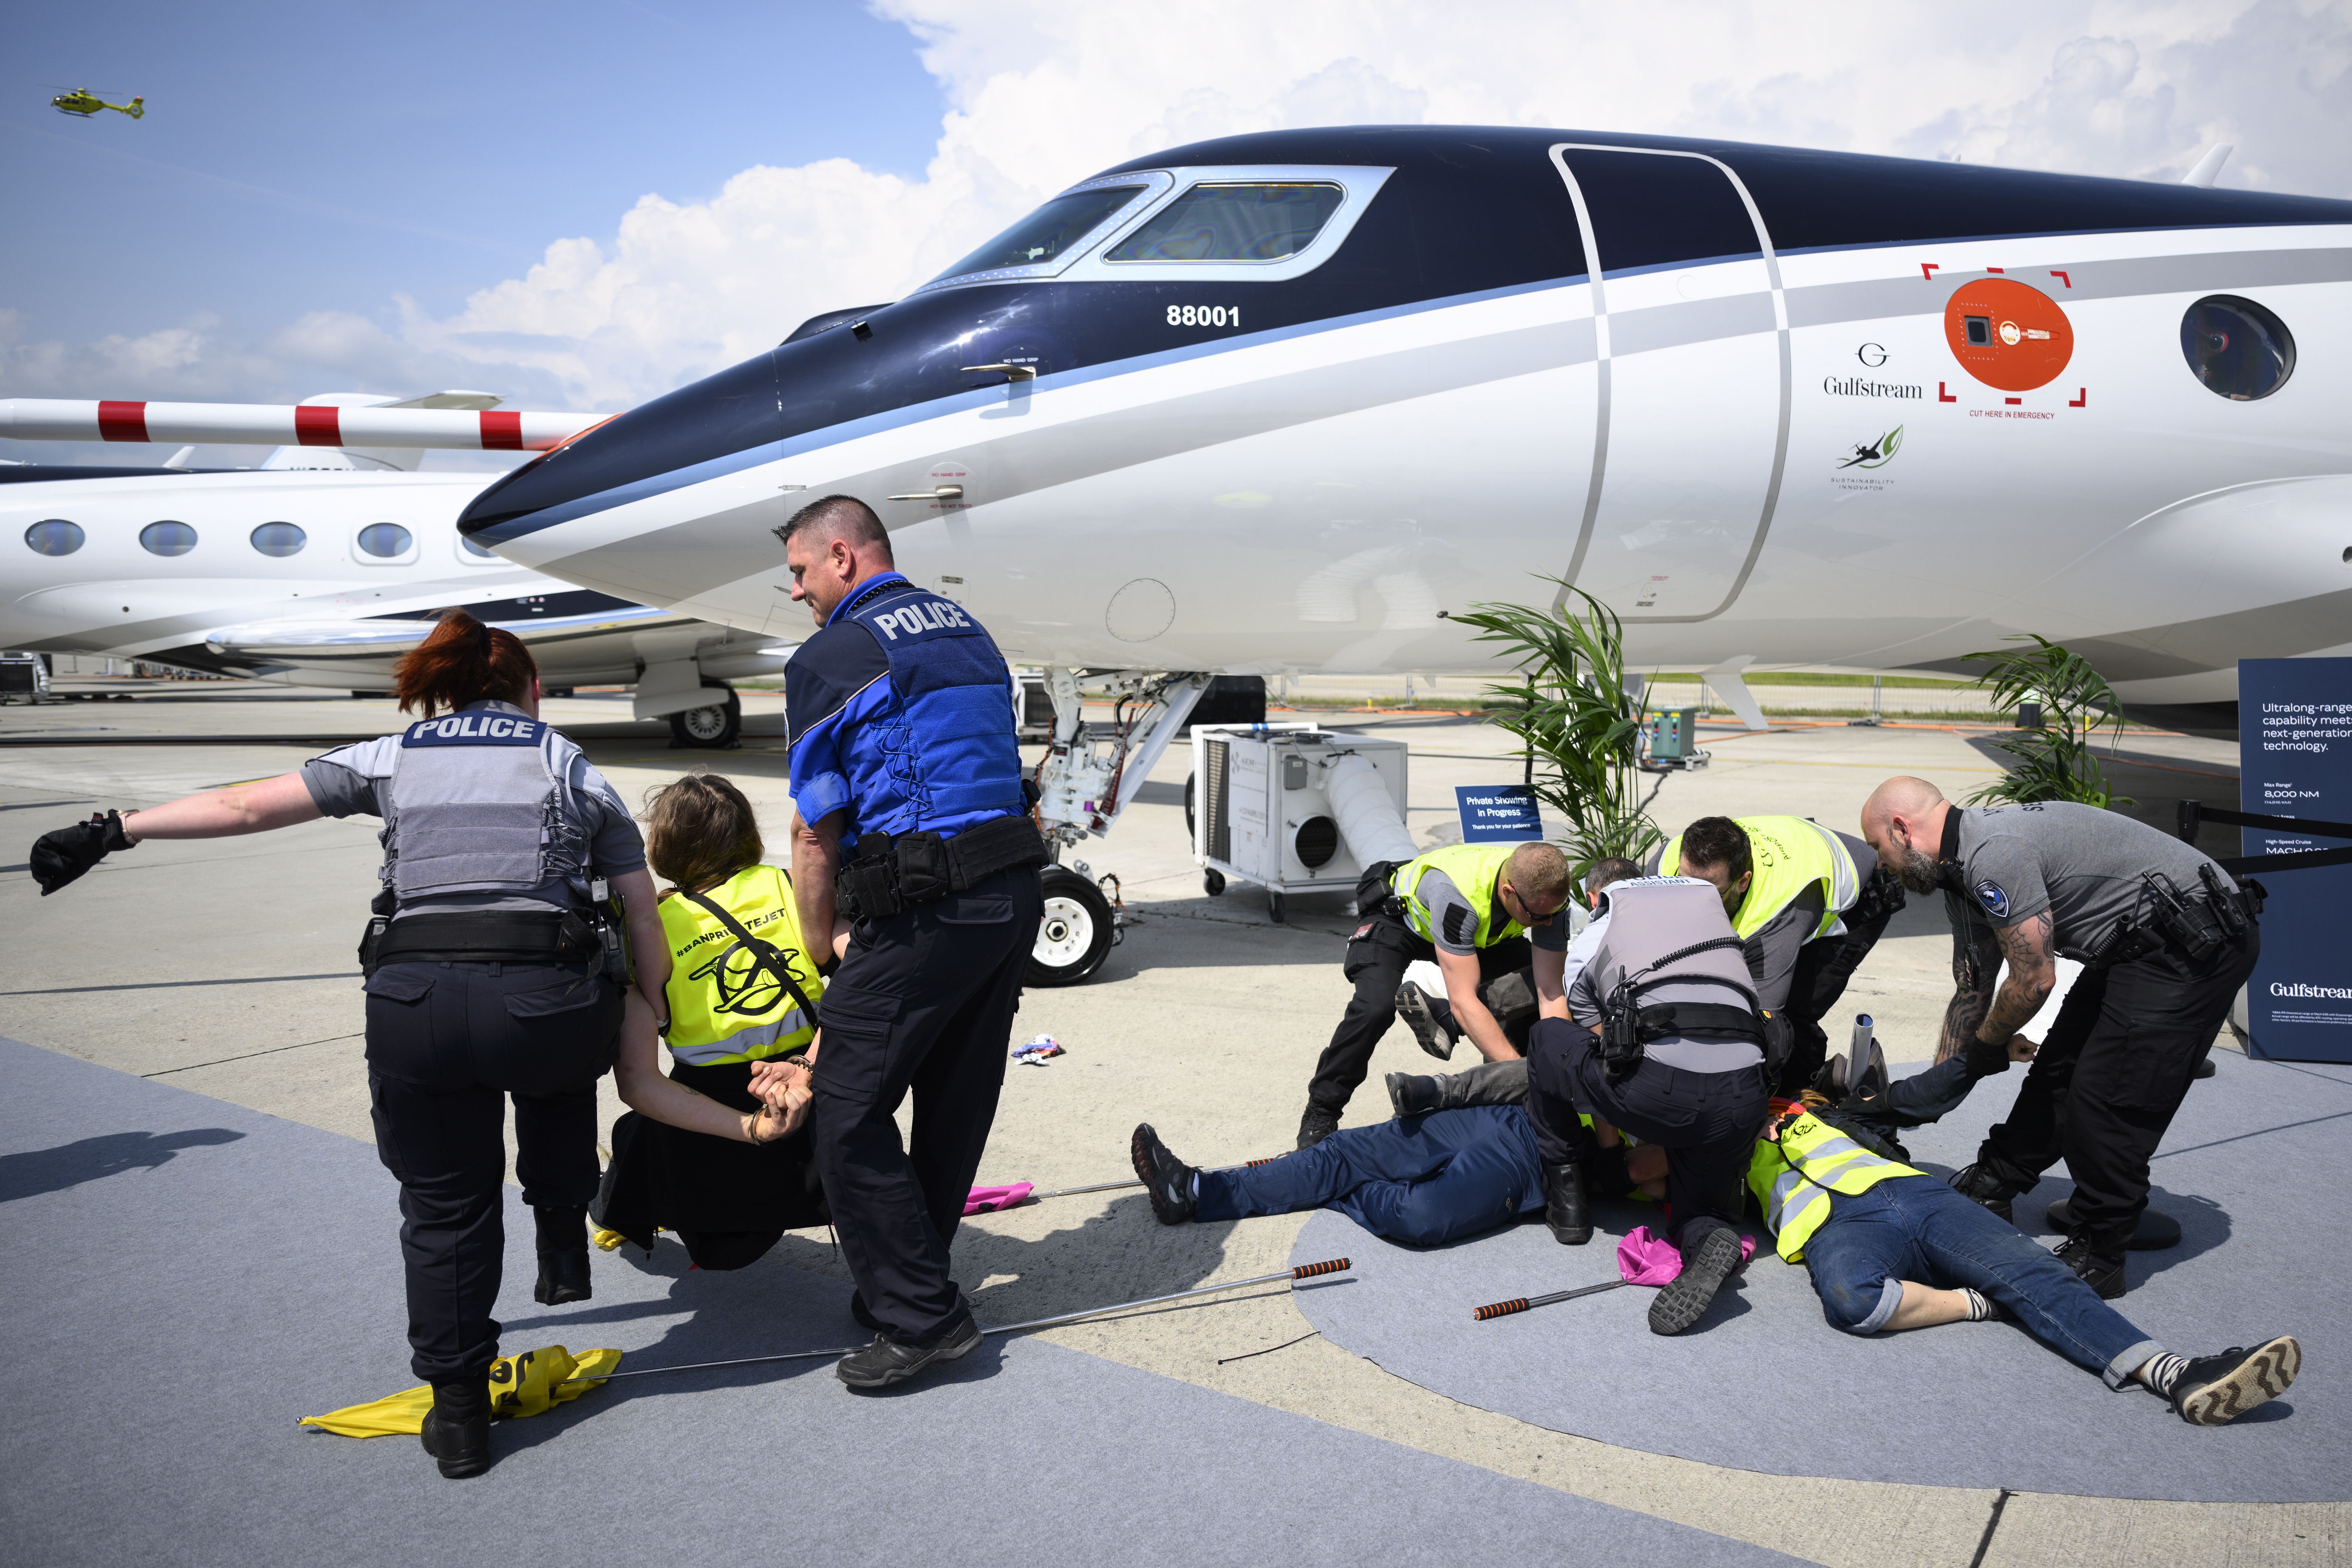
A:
[1234,222]
[1050,232]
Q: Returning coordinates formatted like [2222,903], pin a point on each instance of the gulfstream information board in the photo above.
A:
[2294,759]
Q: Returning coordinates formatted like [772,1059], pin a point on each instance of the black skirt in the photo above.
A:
[728,1202]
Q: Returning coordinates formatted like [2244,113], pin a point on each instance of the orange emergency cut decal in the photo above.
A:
[2008,334]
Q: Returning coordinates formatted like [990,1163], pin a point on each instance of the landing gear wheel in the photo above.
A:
[1075,936]
[1278,907]
[1214,884]
[708,729]
[1192,828]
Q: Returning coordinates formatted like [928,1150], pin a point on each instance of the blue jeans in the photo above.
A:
[1424,1180]
[1916,1227]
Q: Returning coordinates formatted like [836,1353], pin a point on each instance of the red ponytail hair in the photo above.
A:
[462,662]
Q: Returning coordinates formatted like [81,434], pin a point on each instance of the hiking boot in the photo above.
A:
[1413,1005]
[1979,1185]
[562,1255]
[1316,1125]
[887,1362]
[2101,1269]
[1565,1209]
[2213,1390]
[1167,1180]
[1410,1094]
[456,1430]
[1685,1299]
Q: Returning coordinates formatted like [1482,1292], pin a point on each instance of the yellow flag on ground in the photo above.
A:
[522,1384]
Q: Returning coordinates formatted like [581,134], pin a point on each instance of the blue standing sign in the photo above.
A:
[1497,814]
[2294,759]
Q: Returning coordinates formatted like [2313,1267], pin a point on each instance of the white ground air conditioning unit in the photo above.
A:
[1294,808]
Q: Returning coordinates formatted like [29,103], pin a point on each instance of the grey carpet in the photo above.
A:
[187,1278]
[2252,1168]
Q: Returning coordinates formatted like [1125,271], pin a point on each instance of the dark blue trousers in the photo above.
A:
[447,1043]
[1424,1180]
[924,1001]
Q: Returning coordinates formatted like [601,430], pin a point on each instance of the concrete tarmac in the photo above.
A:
[226,967]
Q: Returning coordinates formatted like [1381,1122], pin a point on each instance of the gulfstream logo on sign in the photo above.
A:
[937,614]
[475,730]
[2339,993]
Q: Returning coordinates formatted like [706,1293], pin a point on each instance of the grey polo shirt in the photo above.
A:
[2085,866]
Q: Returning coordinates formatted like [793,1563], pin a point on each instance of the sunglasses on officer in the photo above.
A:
[1525,913]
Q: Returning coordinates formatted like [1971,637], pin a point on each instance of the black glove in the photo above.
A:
[61,856]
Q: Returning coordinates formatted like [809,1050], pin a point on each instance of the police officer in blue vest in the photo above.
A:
[910,820]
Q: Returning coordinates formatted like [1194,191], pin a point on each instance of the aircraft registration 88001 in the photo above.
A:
[1282,401]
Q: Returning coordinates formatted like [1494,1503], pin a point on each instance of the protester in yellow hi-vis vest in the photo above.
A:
[701,1155]
[1808,904]
[1890,1248]
[1483,912]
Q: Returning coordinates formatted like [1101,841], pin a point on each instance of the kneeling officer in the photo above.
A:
[1474,908]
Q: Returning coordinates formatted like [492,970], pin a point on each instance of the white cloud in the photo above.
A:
[1042,94]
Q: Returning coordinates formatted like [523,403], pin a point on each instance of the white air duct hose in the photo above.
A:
[1368,819]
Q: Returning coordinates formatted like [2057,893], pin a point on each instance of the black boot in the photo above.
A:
[1410,1094]
[1432,1029]
[456,1430]
[1316,1125]
[2099,1264]
[562,1255]
[1565,1210]
[1980,1184]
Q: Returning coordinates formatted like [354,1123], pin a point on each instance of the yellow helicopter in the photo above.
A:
[83,105]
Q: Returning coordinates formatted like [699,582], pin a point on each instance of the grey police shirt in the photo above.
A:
[1650,918]
[2083,864]
[344,782]
[1452,923]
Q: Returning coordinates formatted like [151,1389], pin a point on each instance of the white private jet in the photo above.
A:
[328,561]
[1283,400]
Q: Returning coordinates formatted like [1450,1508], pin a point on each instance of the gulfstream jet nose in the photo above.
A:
[719,426]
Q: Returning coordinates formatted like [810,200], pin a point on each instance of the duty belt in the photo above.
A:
[895,871]
[492,936]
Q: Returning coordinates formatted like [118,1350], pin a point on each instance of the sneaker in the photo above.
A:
[1980,1185]
[2102,1271]
[1410,1094]
[887,1362]
[1414,1006]
[1167,1180]
[2213,1390]
[1316,1125]
[1684,1300]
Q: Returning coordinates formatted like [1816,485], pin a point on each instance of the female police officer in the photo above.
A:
[489,971]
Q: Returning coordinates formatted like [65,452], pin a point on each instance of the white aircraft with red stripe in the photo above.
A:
[328,561]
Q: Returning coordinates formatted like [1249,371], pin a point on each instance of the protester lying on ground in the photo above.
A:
[706,1155]
[1890,1247]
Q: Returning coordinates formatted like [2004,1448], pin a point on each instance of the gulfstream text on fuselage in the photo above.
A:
[1857,387]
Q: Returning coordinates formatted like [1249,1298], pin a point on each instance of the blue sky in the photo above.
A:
[582,207]
[323,156]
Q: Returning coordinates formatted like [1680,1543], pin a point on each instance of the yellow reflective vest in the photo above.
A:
[1792,1178]
[1472,867]
[724,1005]
[1788,855]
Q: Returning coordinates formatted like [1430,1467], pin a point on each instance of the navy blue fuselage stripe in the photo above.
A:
[475,730]
[1470,211]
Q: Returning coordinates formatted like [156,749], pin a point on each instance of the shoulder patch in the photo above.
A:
[1991,895]
[1461,925]
[475,730]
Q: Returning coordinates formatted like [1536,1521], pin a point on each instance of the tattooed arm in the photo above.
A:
[1976,960]
[2032,974]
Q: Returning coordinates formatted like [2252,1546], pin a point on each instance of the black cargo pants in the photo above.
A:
[924,1001]
[2115,1067]
[447,1043]
[1377,956]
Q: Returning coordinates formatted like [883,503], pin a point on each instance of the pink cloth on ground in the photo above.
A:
[984,1200]
[1646,1260]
